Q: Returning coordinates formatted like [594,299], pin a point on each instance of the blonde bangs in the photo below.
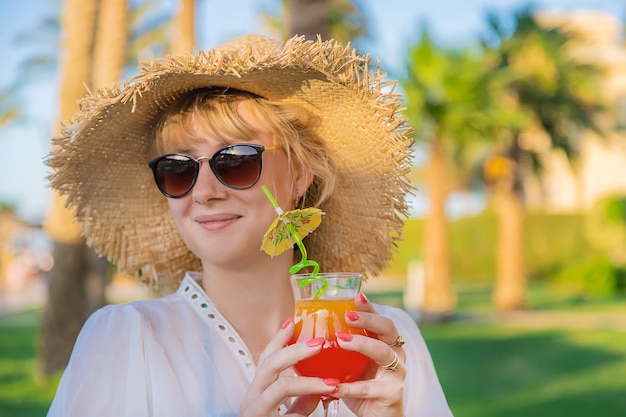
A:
[198,117]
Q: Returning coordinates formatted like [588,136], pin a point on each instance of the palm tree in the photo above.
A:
[307,18]
[94,44]
[183,25]
[65,310]
[341,20]
[453,117]
[111,39]
[559,97]
[109,58]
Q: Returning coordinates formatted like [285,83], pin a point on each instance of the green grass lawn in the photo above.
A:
[489,370]
[486,370]
[21,394]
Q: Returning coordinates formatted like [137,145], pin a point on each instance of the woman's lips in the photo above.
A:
[216,222]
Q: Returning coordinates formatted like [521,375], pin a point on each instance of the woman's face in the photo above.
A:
[224,226]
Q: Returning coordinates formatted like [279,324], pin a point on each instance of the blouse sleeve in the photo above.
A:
[105,375]
[423,395]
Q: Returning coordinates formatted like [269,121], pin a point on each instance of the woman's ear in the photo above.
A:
[304,179]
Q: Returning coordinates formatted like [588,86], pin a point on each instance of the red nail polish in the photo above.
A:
[352,315]
[331,381]
[346,337]
[315,342]
[286,323]
[363,298]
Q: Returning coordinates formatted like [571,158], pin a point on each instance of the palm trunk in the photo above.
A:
[510,285]
[439,296]
[94,46]
[63,317]
[184,39]
[65,310]
[109,57]
[109,49]
[308,18]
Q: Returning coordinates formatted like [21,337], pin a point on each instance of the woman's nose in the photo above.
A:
[207,186]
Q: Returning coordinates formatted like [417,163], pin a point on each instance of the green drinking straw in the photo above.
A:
[304,262]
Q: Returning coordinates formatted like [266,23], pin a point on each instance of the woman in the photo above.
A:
[315,125]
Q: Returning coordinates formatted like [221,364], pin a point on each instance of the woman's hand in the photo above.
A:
[380,390]
[274,382]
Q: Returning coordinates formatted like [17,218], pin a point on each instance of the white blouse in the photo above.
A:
[177,356]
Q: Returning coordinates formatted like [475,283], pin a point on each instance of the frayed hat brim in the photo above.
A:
[100,160]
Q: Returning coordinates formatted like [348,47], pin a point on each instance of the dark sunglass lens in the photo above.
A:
[238,166]
[176,174]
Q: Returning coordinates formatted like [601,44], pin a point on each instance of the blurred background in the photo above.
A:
[513,254]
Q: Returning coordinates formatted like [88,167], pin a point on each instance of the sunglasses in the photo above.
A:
[236,166]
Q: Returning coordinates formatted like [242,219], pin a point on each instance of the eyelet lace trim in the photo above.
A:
[192,291]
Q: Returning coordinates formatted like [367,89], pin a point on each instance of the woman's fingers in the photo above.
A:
[307,390]
[274,382]
[280,340]
[276,358]
[383,327]
[363,303]
[304,405]
[294,386]
[385,380]
[383,355]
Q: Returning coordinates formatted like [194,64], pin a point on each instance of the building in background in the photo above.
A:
[567,189]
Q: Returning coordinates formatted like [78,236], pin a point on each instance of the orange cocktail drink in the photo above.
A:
[320,312]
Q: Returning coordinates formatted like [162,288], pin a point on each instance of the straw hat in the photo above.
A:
[100,161]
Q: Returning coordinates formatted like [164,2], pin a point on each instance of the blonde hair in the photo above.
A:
[234,116]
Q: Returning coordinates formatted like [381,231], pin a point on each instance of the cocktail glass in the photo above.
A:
[321,303]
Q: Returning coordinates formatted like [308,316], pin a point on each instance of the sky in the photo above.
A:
[394,25]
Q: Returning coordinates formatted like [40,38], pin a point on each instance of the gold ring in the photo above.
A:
[393,365]
[399,342]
